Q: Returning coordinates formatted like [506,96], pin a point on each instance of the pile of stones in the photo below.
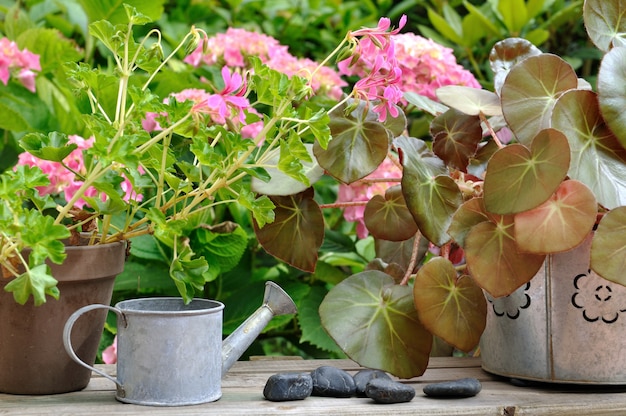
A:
[328,381]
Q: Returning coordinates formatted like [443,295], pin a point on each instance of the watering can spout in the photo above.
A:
[275,302]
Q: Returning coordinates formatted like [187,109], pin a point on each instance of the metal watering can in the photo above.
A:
[172,354]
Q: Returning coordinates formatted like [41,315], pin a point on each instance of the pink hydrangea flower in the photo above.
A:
[109,354]
[233,47]
[63,181]
[20,62]
[363,191]
[427,65]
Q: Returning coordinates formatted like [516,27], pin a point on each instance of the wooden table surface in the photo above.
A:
[242,392]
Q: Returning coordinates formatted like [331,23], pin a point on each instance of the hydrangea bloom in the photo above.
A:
[22,63]
[364,191]
[235,45]
[427,65]
[62,180]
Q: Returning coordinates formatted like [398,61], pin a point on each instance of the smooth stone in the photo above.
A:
[330,381]
[464,387]
[362,377]
[388,391]
[288,386]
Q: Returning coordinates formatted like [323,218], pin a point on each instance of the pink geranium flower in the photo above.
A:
[21,62]
[109,354]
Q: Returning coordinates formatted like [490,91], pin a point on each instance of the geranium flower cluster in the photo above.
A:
[233,47]
[62,178]
[376,65]
[21,63]
[427,65]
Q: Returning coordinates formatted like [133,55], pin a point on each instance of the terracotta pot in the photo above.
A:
[32,357]
[565,326]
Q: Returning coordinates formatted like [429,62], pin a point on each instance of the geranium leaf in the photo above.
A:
[604,21]
[468,100]
[115,11]
[519,179]
[559,224]
[388,217]
[608,247]
[456,137]
[37,282]
[358,146]
[531,89]
[297,232]
[598,159]
[53,147]
[450,307]
[493,258]
[384,331]
[222,246]
[612,100]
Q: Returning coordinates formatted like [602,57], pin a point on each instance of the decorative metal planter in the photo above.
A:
[568,325]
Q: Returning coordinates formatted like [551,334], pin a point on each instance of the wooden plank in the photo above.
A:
[243,386]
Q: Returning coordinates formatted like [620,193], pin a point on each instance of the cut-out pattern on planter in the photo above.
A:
[597,299]
[511,306]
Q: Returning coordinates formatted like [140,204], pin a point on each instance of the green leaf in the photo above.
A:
[559,224]
[450,307]
[469,214]
[189,273]
[608,247]
[612,100]
[51,46]
[486,22]
[514,15]
[531,90]
[22,110]
[384,331]
[598,159]
[223,245]
[115,11]
[297,233]
[519,178]
[310,322]
[444,27]
[55,146]
[37,282]
[44,237]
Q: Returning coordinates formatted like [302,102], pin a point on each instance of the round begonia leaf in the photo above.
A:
[297,232]
[598,160]
[611,92]
[456,137]
[358,145]
[505,54]
[469,100]
[388,217]
[519,179]
[493,258]
[469,214]
[451,308]
[604,21]
[608,247]
[559,224]
[375,323]
[282,184]
[530,90]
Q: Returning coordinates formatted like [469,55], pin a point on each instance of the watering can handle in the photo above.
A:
[67,333]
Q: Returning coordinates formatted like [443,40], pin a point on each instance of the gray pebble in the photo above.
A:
[362,377]
[465,387]
[388,391]
[330,381]
[288,386]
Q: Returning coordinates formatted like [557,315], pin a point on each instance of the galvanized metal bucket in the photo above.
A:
[566,326]
[169,353]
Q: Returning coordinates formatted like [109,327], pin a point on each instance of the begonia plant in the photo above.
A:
[534,167]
